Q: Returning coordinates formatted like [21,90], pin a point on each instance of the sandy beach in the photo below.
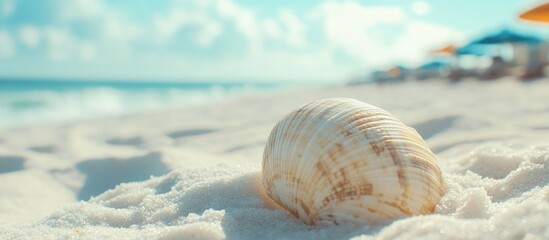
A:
[194,172]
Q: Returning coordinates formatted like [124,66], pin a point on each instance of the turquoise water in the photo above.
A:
[30,102]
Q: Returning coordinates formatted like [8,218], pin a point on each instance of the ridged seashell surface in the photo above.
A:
[341,160]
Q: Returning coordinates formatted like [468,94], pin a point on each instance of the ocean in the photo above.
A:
[30,102]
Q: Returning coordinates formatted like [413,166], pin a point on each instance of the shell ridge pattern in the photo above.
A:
[305,171]
[297,141]
[352,190]
[305,114]
[317,161]
[333,149]
[341,160]
[275,164]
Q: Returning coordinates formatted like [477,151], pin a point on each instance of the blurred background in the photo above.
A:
[64,60]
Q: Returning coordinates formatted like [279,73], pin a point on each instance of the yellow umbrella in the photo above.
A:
[539,13]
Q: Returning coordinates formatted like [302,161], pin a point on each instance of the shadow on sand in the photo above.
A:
[247,208]
[104,174]
[431,127]
[188,133]
[11,164]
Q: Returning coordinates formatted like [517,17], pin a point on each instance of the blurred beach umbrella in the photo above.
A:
[507,36]
[476,50]
[393,71]
[450,49]
[434,64]
[539,13]
[433,69]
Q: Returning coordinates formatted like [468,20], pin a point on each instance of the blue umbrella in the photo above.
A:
[433,65]
[470,49]
[476,50]
[507,36]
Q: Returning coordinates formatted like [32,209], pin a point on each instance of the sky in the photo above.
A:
[237,40]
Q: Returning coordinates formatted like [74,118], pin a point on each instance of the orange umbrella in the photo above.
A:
[539,13]
[450,49]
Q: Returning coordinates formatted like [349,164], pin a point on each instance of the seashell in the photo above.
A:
[344,161]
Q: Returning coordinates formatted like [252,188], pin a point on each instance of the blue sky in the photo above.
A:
[236,40]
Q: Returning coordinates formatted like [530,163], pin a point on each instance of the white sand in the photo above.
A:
[491,138]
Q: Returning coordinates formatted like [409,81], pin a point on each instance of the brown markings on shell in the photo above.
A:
[377,149]
[305,110]
[365,189]
[322,168]
[336,151]
[305,208]
[356,120]
[275,176]
[427,207]
[397,161]
[417,162]
[352,192]
[381,213]
[429,167]
[398,206]
[374,144]
[327,200]
[355,117]
[346,132]
[337,189]
[340,185]
[347,189]
[291,177]
[299,183]
[292,211]
[308,109]
[363,124]
[401,173]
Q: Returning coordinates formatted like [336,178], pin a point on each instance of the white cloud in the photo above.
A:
[330,41]
[58,43]
[210,31]
[82,30]
[167,26]
[83,9]
[365,16]
[286,28]
[87,52]
[271,28]
[245,21]
[30,36]
[294,28]
[421,37]
[357,30]
[6,8]
[7,45]
[421,7]
[381,35]
[110,29]
[122,33]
